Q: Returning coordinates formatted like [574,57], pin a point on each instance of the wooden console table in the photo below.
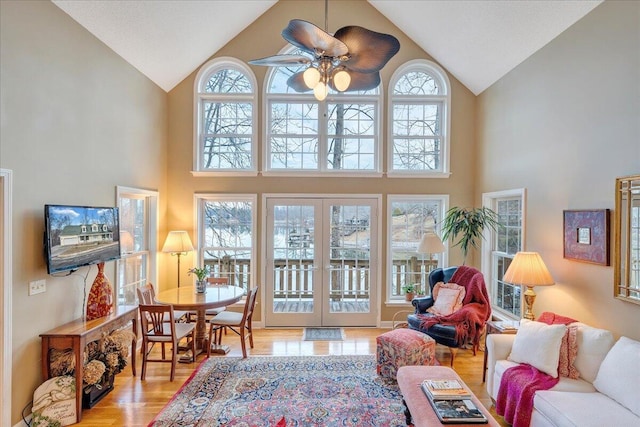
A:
[78,333]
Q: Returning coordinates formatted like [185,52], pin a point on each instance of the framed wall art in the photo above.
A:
[586,235]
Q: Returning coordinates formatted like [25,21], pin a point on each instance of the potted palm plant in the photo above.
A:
[409,291]
[201,274]
[469,223]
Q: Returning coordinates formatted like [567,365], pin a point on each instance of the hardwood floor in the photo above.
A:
[135,403]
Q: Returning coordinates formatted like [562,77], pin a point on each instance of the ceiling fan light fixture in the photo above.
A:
[311,77]
[341,80]
[320,91]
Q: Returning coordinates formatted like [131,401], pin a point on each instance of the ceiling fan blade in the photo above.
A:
[312,39]
[360,81]
[296,82]
[369,50]
[281,60]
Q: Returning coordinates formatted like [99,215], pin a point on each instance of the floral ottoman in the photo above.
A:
[403,347]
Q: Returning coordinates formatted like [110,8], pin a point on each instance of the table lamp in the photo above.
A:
[528,269]
[178,243]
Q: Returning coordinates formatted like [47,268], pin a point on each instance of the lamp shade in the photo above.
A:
[528,269]
[177,242]
[430,243]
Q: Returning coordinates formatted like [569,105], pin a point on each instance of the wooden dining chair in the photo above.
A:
[156,330]
[240,323]
[212,312]
[147,295]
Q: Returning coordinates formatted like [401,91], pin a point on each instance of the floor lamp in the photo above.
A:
[178,243]
[528,269]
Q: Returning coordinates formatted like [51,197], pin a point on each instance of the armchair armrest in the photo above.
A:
[498,348]
[421,304]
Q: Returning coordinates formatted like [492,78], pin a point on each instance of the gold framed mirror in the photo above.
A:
[627,239]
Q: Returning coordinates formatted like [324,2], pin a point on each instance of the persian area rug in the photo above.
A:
[304,390]
[323,334]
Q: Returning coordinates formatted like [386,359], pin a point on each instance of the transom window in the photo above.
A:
[303,135]
[419,116]
[226,106]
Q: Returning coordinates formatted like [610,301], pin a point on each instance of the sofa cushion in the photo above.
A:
[619,374]
[593,346]
[538,345]
[570,409]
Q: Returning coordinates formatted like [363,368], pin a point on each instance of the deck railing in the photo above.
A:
[348,278]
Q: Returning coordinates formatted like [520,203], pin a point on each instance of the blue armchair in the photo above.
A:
[462,326]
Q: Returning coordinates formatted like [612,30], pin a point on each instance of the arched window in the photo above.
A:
[419,120]
[226,122]
[339,135]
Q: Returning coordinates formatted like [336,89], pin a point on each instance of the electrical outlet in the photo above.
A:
[37,287]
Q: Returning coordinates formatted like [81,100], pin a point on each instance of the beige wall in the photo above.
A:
[564,124]
[77,120]
[262,38]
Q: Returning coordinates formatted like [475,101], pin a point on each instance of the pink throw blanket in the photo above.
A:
[515,396]
[470,319]
[519,384]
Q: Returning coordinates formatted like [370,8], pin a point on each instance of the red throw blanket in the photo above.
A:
[471,318]
[519,384]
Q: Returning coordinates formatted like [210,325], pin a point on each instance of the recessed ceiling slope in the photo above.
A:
[481,41]
[165,40]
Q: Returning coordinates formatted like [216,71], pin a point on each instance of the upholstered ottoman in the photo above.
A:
[403,347]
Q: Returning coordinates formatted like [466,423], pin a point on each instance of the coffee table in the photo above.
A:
[419,410]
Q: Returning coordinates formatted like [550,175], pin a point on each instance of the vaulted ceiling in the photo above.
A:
[478,41]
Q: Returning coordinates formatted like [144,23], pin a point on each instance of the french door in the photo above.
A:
[322,258]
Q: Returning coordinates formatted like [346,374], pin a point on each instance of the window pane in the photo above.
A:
[132,225]
[416,120]
[132,274]
[227,237]
[409,221]
[416,154]
[228,81]
[416,83]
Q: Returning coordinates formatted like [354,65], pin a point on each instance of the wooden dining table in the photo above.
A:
[186,298]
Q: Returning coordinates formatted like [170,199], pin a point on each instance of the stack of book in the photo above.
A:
[451,401]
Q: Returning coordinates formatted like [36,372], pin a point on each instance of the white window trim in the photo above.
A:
[443,258]
[153,199]
[6,296]
[439,74]
[205,71]
[322,170]
[488,235]
[253,199]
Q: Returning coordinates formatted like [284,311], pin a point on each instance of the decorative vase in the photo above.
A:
[201,286]
[100,300]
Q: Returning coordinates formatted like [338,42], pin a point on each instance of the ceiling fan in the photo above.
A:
[350,60]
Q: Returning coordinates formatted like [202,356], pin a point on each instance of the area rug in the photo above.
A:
[323,334]
[304,390]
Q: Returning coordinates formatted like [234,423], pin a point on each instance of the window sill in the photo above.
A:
[201,174]
[398,174]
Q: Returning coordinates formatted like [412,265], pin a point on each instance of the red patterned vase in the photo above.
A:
[100,301]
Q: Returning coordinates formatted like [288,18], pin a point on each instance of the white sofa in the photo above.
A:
[607,392]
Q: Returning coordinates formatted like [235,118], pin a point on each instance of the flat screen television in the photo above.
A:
[77,236]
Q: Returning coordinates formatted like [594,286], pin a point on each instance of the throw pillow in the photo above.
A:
[450,301]
[568,353]
[619,374]
[538,345]
[594,344]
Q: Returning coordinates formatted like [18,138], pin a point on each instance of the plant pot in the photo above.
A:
[409,296]
[201,286]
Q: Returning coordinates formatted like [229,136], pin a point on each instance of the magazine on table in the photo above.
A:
[457,411]
[445,389]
